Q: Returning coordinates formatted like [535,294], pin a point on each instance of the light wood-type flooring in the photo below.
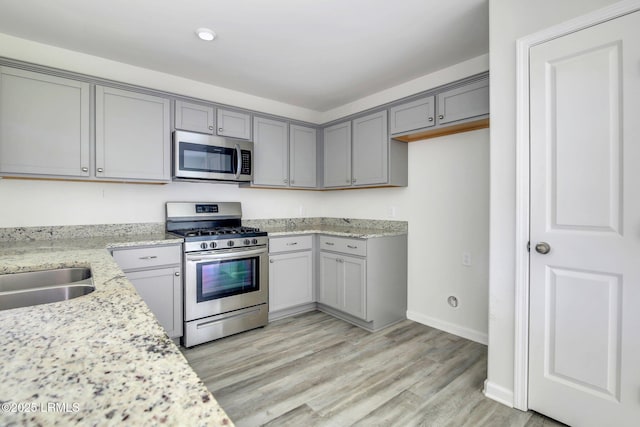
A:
[315,370]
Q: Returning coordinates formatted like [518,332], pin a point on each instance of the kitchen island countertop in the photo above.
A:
[100,359]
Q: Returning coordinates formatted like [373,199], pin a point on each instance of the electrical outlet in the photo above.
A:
[392,211]
[466,259]
[301,210]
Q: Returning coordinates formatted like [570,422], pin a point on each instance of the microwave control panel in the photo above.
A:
[245,168]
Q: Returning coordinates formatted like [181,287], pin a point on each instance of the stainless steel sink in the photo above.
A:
[42,287]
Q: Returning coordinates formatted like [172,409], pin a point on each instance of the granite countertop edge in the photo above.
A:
[100,359]
[354,232]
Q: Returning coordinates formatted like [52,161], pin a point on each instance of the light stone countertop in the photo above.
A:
[100,359]
[333,230]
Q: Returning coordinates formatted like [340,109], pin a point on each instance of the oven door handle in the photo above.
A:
[234,254]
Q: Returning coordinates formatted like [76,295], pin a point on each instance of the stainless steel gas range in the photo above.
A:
[225,270]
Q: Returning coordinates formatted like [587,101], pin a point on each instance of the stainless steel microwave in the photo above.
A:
[199,157]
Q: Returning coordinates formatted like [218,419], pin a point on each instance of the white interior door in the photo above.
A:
[584,357]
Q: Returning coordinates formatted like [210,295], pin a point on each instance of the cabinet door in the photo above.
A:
[290,280]
[331,277]
[302,157]
[337,155]
[44,124]
[270,152]
[370,150]
[132,135]
[413,115]
[194,117]
[161,290]
[354,291]
[234,124]
[465,102]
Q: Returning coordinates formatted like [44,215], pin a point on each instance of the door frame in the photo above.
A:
[521,320]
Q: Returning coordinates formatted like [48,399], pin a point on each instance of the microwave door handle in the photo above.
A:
[238,162]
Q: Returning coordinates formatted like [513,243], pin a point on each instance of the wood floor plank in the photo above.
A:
[315,370]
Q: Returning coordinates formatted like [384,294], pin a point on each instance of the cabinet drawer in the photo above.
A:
[344,245]
[288,244]
[133,259]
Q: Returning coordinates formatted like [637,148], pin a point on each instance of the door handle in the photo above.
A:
[543,248]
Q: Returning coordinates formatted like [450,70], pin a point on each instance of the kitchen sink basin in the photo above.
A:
[42,287]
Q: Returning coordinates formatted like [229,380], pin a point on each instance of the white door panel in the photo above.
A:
[584,357]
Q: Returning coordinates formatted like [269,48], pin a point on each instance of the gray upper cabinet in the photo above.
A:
[370,150]
[271,152]
[337,155]
[132,136]
[44,125]
[366,158]
[234,124]
[464,102]
[194,117]
[302,157]
[413,115]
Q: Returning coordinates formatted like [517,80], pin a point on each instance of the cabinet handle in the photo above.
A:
[210,127]
[285,180]
[271,261]
[329,243]
[340,260]
[353,180]
[219,129]
[430,119]
[177,273]
[292,244]
[85,169]
[100,170]
[441,117]
[352,247]
[149,257]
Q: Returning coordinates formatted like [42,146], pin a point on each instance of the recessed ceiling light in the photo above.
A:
[205,34]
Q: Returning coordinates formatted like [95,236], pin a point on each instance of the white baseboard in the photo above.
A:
[461,331]
[498,393]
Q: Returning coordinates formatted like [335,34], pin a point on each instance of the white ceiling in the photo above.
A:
[317,54]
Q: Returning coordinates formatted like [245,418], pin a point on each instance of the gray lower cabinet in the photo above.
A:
[234,124]
[343,283]
[44,125]
[132,136]
[359,153]
[364,281]
[156,273]
[290,275]
[194,117]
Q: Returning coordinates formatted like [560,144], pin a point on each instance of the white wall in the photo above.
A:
[510,20]
[446,202]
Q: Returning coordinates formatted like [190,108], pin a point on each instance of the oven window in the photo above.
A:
[219,279]
[205,158]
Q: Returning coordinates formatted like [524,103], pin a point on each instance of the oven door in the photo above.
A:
[217,282]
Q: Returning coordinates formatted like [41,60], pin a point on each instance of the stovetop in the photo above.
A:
[219,232]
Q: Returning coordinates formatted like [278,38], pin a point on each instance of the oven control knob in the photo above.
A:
[254,241]
[203,245]
[230,243]
[212,245]
[247,242]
